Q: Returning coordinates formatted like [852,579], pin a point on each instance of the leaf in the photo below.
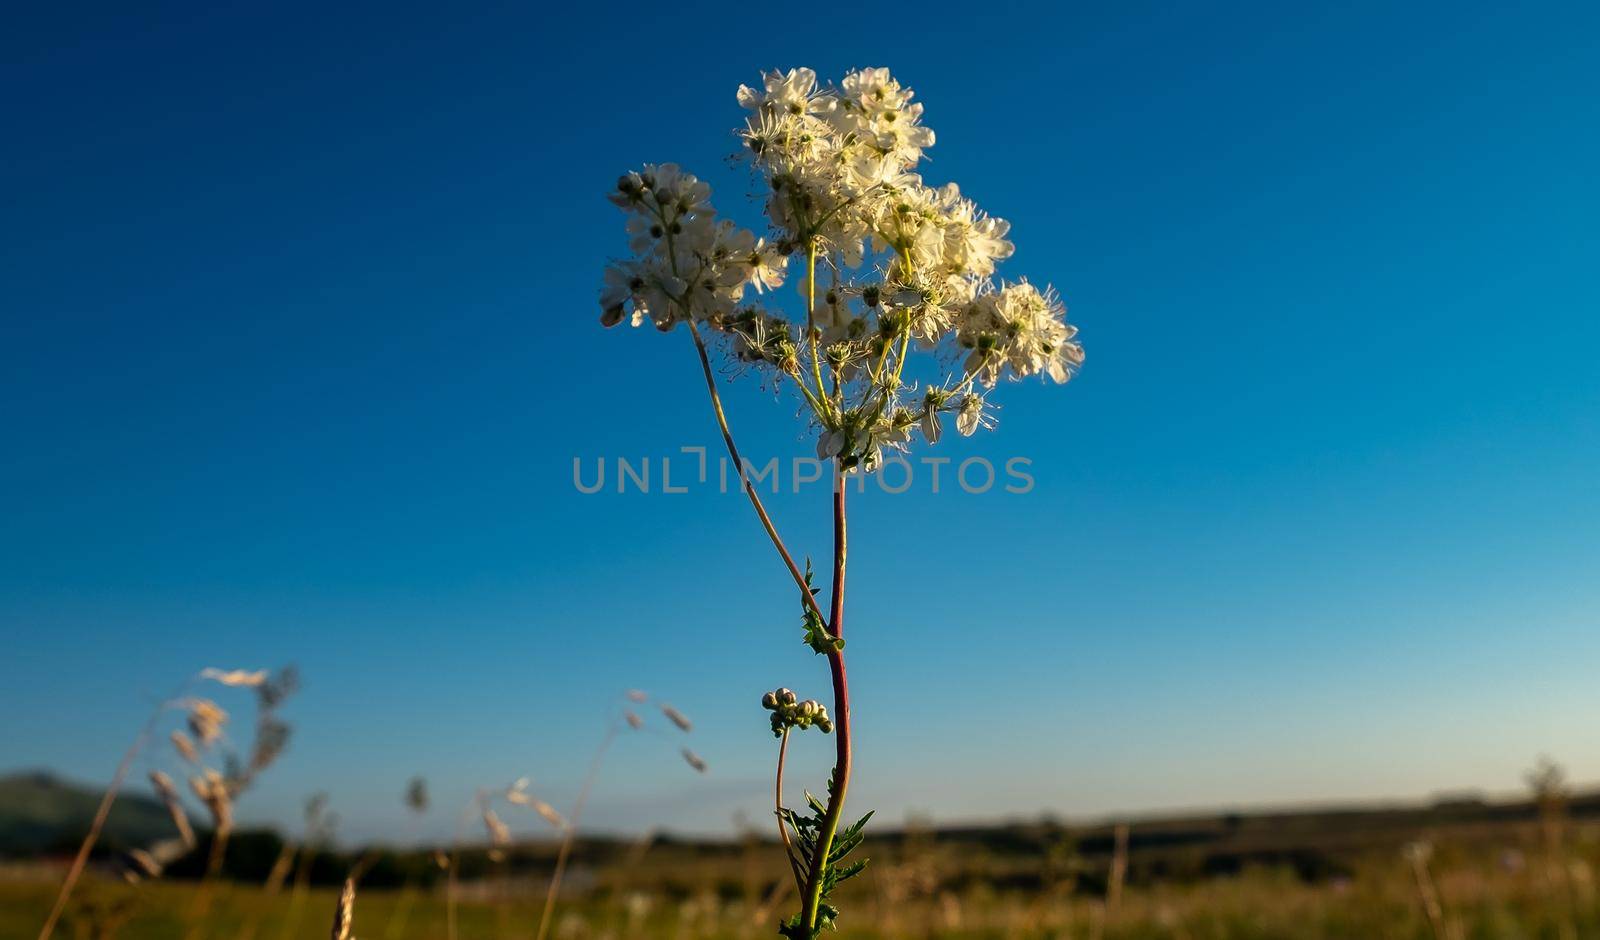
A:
[816,632]
[807,829]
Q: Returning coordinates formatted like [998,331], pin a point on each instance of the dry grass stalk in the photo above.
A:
[1119,870]
[416,800]
[97,824]
[318,828]
[565,850]
[1418,854]
[168,791]
[276,876]
[147,863]
[344,914]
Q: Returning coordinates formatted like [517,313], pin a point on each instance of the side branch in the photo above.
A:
[738,466]
[783,824]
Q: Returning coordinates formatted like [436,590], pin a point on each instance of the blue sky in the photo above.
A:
[298,343]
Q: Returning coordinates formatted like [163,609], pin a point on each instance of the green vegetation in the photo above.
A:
[40,812]
[1462,868]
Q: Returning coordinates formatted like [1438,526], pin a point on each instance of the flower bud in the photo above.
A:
[769,701]
[786,696]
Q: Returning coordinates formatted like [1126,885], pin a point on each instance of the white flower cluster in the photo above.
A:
[892,267]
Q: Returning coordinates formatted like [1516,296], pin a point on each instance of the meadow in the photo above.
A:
[1451,871]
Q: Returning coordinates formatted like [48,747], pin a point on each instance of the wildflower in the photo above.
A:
[897,270]
[793,93]
[905,260]
[766,266]
[970,416]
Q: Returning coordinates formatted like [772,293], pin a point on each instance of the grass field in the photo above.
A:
[1500,882]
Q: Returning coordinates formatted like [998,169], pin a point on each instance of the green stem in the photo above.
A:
[811,320]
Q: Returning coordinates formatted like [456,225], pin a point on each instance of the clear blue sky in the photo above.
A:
[298,340]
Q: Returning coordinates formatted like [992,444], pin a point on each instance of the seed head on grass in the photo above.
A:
[236,678]
[345,914]
[168,791]
[518,795]
[676,717]
[499,833]
[185,747]
[212,790]
[206,720]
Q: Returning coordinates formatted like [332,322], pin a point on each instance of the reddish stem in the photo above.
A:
[841,706]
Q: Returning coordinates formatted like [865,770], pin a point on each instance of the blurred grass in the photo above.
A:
[1521,870]
[1379,901]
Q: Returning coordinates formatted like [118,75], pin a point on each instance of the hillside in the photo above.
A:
[42,813]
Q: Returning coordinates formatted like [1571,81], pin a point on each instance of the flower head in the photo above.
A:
[897,289]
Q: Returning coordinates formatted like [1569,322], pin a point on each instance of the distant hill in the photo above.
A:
[40,813]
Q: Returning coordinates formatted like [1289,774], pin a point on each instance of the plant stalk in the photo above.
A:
[812,898]
[738,467]
[571,834]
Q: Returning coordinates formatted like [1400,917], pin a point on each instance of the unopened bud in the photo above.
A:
[769,701]
[786,696]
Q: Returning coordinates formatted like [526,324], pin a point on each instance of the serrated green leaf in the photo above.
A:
[816,632]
